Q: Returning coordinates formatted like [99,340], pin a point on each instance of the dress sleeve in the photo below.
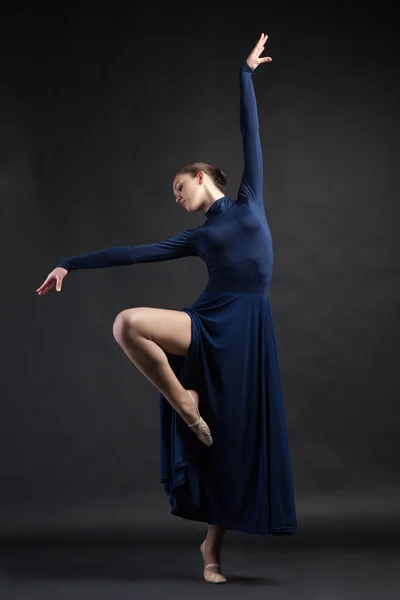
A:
[175,247]
[251,186]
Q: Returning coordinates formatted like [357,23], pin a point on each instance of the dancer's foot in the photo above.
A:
[191,416]
[212,563]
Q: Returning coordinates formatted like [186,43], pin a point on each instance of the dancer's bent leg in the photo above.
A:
[145,334]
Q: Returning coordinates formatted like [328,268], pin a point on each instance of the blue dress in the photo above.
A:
[243,481]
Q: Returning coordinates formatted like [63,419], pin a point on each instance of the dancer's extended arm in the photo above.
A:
[251,186]
[175,247]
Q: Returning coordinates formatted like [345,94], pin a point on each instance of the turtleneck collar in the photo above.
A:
[215,207]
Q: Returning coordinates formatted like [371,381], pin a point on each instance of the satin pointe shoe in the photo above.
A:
[212,571]
[200,427]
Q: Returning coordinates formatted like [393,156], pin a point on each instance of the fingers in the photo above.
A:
[42,287]
[259,47]
[262,40]
[45,287]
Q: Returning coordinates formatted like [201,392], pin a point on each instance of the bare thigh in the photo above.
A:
[169,329]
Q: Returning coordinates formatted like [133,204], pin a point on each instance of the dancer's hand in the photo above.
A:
[253,59]
[55,277]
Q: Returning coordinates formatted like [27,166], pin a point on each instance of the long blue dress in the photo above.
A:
[244,480]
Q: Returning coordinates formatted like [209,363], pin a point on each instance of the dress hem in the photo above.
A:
[175,511]
[242,529]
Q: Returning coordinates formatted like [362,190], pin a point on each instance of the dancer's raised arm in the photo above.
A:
[251,186]
[175,247]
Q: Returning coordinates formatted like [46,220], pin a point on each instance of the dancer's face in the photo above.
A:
[188,190]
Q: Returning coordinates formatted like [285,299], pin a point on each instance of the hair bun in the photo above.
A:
[222,175]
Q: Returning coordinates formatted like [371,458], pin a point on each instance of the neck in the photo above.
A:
[213,197]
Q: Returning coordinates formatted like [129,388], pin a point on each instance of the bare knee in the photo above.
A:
[127,324]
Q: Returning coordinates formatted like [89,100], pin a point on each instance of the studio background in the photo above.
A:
[99,110]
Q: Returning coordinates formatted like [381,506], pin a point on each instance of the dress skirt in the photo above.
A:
[243,481]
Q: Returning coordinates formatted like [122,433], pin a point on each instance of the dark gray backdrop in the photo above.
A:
[99,109]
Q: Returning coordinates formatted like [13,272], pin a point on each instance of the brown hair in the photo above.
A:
[219,176]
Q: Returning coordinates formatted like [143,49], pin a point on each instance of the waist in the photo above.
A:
[260,289]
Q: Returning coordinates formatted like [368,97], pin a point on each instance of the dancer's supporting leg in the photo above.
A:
[211,550]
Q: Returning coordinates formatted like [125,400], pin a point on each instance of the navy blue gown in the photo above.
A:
[243,481]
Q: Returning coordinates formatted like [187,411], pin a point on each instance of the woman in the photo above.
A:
[219,354]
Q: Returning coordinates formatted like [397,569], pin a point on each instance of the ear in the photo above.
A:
[200,175]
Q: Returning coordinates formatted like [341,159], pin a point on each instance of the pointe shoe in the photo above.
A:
[200,427]
[212,576]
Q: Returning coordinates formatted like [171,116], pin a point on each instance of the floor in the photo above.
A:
[326,563]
